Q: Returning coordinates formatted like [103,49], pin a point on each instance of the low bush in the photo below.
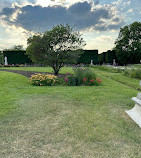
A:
[133,73]
[43,79]
[109,69]
[83,76]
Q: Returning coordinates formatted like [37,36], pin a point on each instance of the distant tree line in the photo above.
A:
[107,57]
[17,57]
[62,46]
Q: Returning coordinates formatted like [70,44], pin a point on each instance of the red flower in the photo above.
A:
[66,79]
[84,79]
[91,80]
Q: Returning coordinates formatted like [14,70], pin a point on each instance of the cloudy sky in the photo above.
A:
[98,20]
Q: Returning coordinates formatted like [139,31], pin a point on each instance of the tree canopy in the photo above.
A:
[15,48]
[56,47]
[128,44]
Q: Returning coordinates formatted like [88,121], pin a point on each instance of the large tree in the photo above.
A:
[128,44]
[57,47]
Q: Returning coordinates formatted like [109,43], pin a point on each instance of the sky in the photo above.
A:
[99,21]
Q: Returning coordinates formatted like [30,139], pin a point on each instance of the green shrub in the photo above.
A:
[81,73]
[109,69]
[72,81]
[83,76]
[133,73]
[60,81]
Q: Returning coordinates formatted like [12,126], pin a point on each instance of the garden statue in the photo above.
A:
[91,62]
[114,62]
[135,112]
[5,61]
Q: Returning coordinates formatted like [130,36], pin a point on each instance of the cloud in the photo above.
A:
[4,3]
[96,2]
[116,19]
[80,9]
[82,15]
[130,11]
[102,43]
[9,3]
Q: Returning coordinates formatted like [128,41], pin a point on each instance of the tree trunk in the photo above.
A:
[56,73]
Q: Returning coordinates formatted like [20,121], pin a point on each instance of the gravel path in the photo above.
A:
[28,73]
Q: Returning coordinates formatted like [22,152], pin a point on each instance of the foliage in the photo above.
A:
[1,59]
[133,73]
[110,56]
[42,79]
[102,58]
[121,78]
[87,56]
[83,76]
[128,44]
[57,47]
[60,81]
[15,48]
[137,65]
[107,57]
[81,73]
[16,57]
[109,69]
[72,81]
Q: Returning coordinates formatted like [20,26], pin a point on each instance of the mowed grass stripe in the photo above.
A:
[65,121]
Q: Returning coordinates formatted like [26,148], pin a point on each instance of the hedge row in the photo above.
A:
[19,57]
[89,55]
[107,57]
[1,59]
[16,57]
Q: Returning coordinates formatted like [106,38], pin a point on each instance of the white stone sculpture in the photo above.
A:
[135,112]
[5,61]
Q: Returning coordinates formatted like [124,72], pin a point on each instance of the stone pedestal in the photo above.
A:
[135,112]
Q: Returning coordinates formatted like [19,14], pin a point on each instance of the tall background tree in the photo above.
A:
[57,47]
[15,48]
[128,44]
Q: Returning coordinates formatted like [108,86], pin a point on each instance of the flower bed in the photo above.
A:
[43,79]
[81,77]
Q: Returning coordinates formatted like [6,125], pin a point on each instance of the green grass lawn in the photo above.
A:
[67,121]
[63,70]
[120,78]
